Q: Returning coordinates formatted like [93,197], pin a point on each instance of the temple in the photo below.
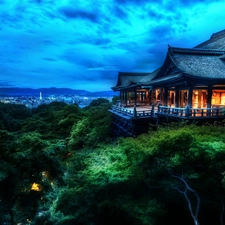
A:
[189,85]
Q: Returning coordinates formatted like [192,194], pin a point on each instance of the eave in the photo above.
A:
[196,51]
[203,80]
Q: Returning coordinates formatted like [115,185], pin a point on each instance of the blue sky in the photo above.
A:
[83,44]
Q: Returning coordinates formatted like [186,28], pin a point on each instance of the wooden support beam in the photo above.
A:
[190,92]
[209,97]
[176,97]
[165,96]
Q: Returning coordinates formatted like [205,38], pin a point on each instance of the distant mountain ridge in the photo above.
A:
[13,91]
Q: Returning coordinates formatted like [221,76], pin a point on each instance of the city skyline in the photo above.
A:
[83,45]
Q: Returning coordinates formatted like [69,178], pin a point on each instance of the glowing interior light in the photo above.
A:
[36,187]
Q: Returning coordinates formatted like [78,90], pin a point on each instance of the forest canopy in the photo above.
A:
[61,165]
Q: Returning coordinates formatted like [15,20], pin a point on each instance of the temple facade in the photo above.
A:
[191,82]
[193,77]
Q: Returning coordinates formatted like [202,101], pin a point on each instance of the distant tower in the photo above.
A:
[40,96]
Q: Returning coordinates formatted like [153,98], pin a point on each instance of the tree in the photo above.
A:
[11,116]
[94,128]
[53,121]
[188,159]
[27,170]
[106,186]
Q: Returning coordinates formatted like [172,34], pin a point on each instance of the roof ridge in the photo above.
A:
[213,38]
[134,73]
[196,50]
[219,33]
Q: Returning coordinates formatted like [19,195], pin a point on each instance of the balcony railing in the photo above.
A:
[134,112]
[191,112]
[139,112]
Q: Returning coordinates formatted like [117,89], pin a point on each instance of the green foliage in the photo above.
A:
[23,160]
[53,121]
[79,134]
[11,116]
[94,128]
[106,185]
[98,102]
[86,177]
[114,99]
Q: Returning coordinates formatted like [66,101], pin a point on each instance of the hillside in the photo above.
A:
[51,91]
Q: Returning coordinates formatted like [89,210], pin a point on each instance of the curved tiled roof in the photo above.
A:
[216,41]
[206,61]
[126,79]
[150,76]
[207,66]
[165,79]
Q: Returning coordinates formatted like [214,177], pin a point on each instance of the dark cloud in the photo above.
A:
[103,75]
[76,56]
[162,31]
[125,62]
[49,59]
[156,14]
[85,43]
[40,70]
[191,2]
[36,1]
[120,12]
[99,41]
[5,83]
[95,41]
[47,42]
[109,75]
[130,45]
[6,17]
[14,61]
[73,13]
[138,2]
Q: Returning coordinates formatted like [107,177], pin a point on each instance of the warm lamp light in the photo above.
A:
[36,187]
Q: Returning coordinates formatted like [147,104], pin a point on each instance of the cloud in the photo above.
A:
[73,13]
[82,44]
[50,59]
[120,12]
[136,2]
[4,83]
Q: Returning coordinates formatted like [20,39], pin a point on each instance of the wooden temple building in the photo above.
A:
[190,85]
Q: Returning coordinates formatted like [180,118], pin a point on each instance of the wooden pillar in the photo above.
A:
[125,97]
[165,96]
[150,97]
[190,94]
[199,98]
[161,95]
[209,97]
[177,97]
[121,95]
[135,95]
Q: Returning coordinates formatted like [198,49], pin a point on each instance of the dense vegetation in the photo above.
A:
[61,166]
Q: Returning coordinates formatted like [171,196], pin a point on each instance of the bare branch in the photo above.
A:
[188,188]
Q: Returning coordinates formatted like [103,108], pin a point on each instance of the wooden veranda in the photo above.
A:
[131,121]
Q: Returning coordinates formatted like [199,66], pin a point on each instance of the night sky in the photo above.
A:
[83,44]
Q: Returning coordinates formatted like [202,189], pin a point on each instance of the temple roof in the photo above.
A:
[165,80]
[129,79]
[201,63]
[150,76]
[205,61]
[216,41]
